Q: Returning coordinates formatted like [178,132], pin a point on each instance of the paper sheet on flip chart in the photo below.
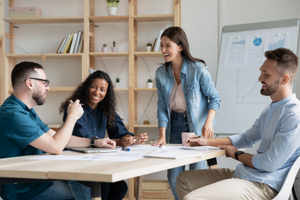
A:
[254,50]
[235,52]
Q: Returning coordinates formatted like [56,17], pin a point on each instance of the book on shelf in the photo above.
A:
[73,43]
[64,44]
[61,44]
[67,47]
[157,43]
[80,44]
[77,41]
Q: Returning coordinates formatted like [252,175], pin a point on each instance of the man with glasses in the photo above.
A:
[23,133]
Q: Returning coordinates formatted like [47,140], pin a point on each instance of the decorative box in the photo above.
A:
[24,12]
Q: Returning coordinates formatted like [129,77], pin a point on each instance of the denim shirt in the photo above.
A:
[278,128]
[95,124]
[198,88]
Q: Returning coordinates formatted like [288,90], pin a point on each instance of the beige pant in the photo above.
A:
[219,184]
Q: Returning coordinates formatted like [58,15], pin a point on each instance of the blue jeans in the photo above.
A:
[179,124]
[65,190]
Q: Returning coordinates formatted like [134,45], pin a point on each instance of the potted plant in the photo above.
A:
[114,48]
[112,7]
[149,46]
[118,82]
[150,83]
[104,48]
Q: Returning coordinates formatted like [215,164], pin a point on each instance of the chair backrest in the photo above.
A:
[286,189]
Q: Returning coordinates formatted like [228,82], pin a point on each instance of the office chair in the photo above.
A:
[286,189]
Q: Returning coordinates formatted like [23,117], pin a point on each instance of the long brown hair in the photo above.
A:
[177,35]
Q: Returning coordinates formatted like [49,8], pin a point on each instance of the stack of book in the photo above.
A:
[71,44]
[155,190]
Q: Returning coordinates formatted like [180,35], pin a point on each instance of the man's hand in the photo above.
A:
[105,143]
[141,138]
[195,141]
[75,109]
[230,150]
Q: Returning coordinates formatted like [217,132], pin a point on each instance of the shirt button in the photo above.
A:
[193,87]
[189,112]
[185,94]
[190,121]
[192,130]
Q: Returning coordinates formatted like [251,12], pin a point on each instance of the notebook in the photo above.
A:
[94,150]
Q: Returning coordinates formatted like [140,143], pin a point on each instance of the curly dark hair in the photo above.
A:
[106,106]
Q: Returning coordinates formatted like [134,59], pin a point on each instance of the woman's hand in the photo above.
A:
[141,138]
[208,130]
[127,140]
[160,141]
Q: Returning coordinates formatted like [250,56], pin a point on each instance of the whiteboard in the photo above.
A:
[238,70]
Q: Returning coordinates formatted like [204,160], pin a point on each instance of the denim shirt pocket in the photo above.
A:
[193,90]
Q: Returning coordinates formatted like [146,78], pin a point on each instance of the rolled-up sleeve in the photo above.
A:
[209,89]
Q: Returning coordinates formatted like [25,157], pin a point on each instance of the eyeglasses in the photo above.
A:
[46,81]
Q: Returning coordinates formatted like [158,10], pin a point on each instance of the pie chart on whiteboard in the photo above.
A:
[257,41]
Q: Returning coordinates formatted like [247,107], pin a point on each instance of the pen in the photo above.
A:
[125,149]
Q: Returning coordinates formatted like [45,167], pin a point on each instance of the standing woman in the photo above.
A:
[98,96]
[187,97]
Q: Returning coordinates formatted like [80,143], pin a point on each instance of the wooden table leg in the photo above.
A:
[131,189]
[139,182]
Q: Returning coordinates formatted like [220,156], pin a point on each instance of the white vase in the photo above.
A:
[104,49]
[114,49]
[112,11]
[118,85]
[150,85]
[149,48]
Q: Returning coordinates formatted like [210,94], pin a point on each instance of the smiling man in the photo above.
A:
[259,176]
[23,133]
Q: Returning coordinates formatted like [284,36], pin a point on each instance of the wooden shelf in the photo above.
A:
[47,55]
[153,18]
[145,89]
[98,19]
[109,54]
[44,20]
[145,126]
[53,89]
[121,89]
[148,54]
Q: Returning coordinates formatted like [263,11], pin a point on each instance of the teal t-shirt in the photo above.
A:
[19,126]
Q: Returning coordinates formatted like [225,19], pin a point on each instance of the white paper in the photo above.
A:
[254,50]
[201,148]
[174,154]
[235,52]
[276,40]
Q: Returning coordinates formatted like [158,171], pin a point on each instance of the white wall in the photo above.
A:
[201,19]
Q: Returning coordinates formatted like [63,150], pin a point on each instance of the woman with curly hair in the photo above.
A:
[97,95]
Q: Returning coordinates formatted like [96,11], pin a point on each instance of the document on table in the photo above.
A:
[174,154]
[201,148]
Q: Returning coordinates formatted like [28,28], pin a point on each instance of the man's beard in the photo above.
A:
[38,98]
[270,89]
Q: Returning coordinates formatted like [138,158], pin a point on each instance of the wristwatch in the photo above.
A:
[237,154]
[93,141]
